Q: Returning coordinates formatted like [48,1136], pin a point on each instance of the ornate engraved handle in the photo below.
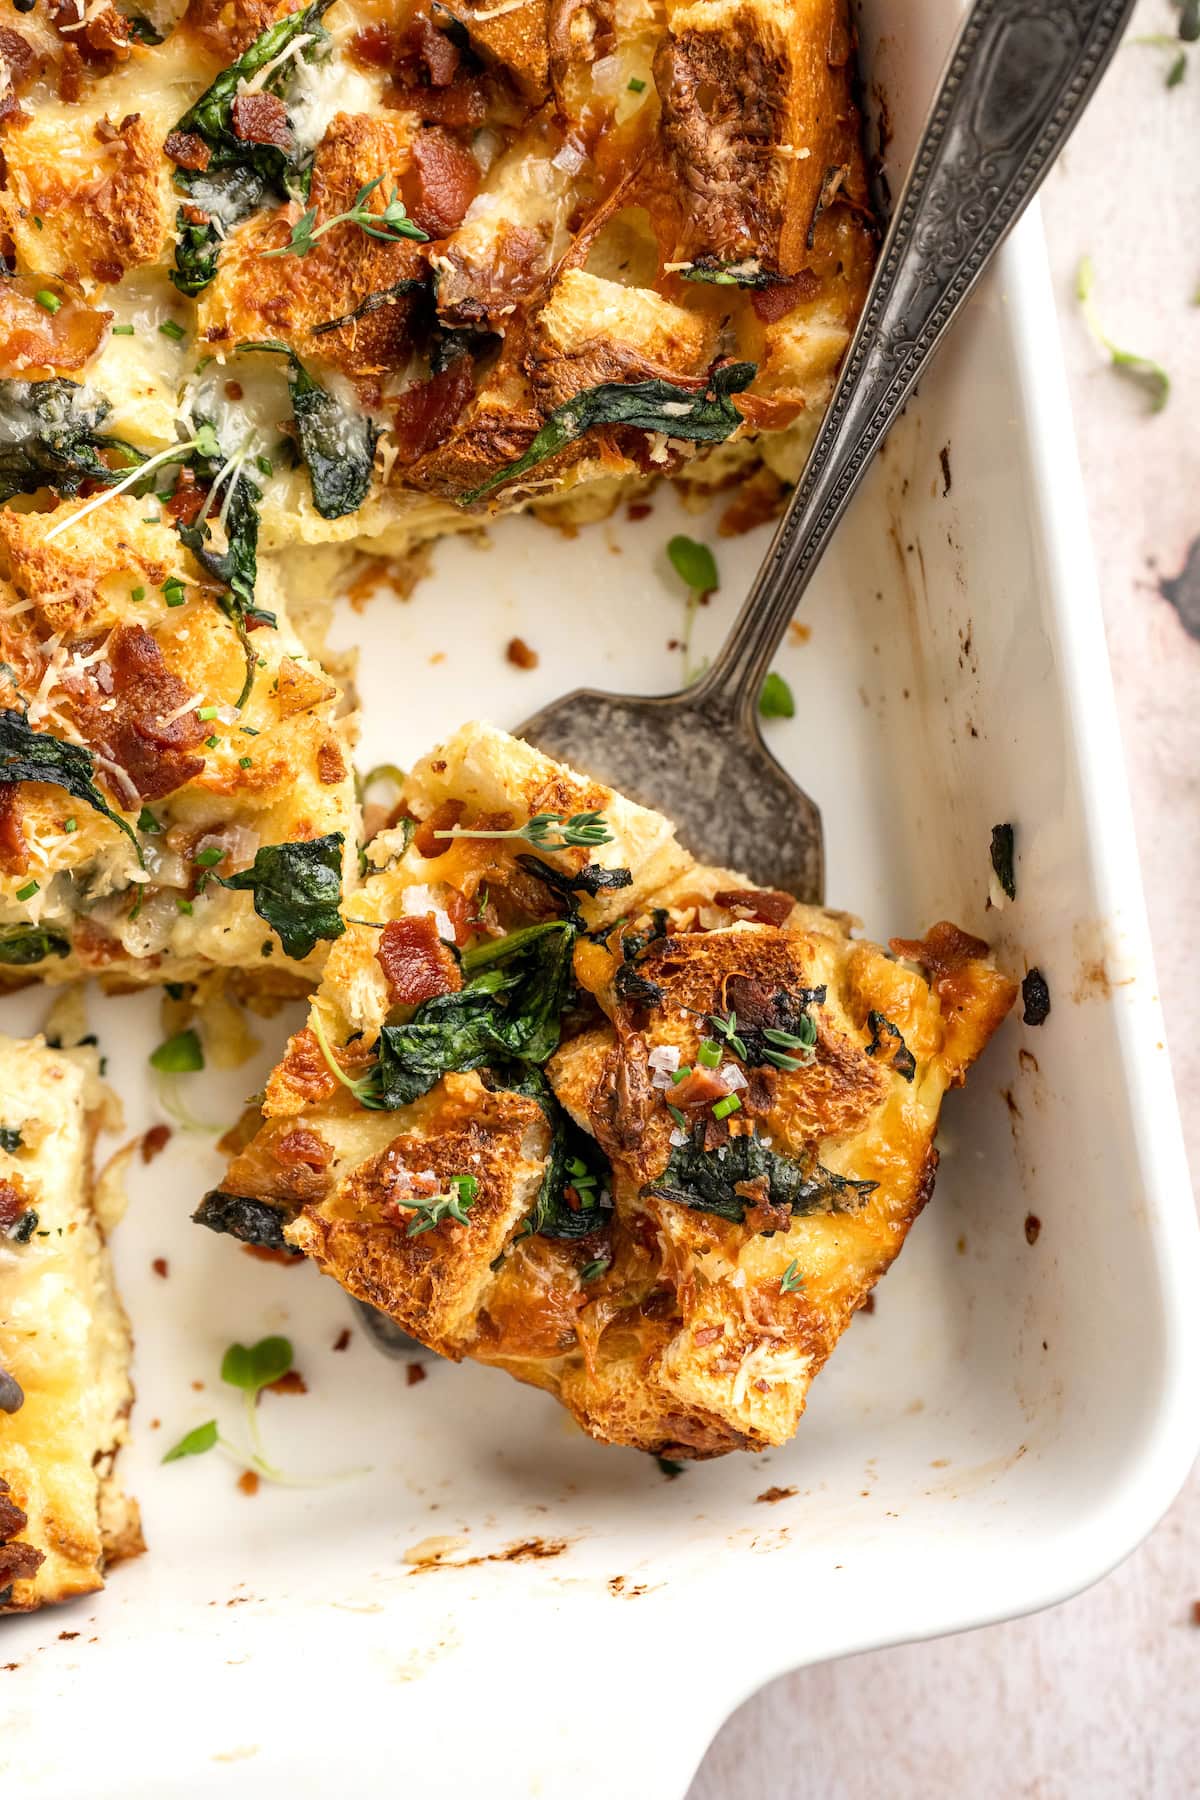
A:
[1018,78]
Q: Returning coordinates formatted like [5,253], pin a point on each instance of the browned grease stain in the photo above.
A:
[1033,1228]
[526,1550]
[618,1587]
[1028,1061]
[771,1495]
[947,478]
[799,632]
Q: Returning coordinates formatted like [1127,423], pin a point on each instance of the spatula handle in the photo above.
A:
[1017,80]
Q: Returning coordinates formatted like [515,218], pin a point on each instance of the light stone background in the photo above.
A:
[1098,1699]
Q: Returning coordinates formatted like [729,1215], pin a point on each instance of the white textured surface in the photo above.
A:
[1100,1697]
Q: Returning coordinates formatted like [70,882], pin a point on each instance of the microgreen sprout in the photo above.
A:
[1150,376]
[250,1368]
[205,442]
[362,1089]
[696,567]
[581,829]
[390,225]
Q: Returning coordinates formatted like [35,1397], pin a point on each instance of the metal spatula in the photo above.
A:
[1018,78]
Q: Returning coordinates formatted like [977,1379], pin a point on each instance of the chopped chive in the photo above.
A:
[28,891]
[48,301]
[208,859]
[709,1054]
[184,906]
[147,821]
[250,730]
[122,330]
[723,1108]
[37,222]
[170,328]
[137,593]
[264,465]
[206,713]
[636,85]
[212,742]
[680,1074]
[245,762]
[590,1270]
[68,825]
[173,591]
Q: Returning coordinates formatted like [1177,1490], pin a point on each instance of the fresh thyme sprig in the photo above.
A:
[727,1029]
[791,1281]
[390,225]
[451,1205]
[782,1041]
[581,829]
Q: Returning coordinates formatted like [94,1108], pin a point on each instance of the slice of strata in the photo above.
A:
[629,1127]
[151,747]
[65,1392]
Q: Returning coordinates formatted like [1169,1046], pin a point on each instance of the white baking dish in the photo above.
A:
[1006,1427]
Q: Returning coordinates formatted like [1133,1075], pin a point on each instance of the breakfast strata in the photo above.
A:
[65,1392]
[415,259]
[176,792]
[630,1128]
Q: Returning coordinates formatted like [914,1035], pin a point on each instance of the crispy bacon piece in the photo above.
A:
[461,106]
[155,1141]
[442,182]
[157,757]
[438,54]
[700,1088]
[20,59]
[415,962]
[261,119]
[13,1202]
[425,413]
[767,905]
[14,852]
[304,1146]
[425,837]
[188,150]
[102,36]
[18,1561]
[779,298]
[188,499]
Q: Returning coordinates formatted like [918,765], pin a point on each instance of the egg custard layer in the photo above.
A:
[636,1131]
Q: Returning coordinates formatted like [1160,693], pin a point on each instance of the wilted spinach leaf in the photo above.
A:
[236,567]
[575,1160]
[706,1180]
[902,1058]
[704,416]
[514,993]
[29,755]
[297,889]
[591,880]
[21,945]
[50,437]
[337,442]
[1002,859]
[250,1221]
[240,176]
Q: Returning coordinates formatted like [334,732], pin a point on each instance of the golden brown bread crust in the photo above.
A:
[664,1320]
